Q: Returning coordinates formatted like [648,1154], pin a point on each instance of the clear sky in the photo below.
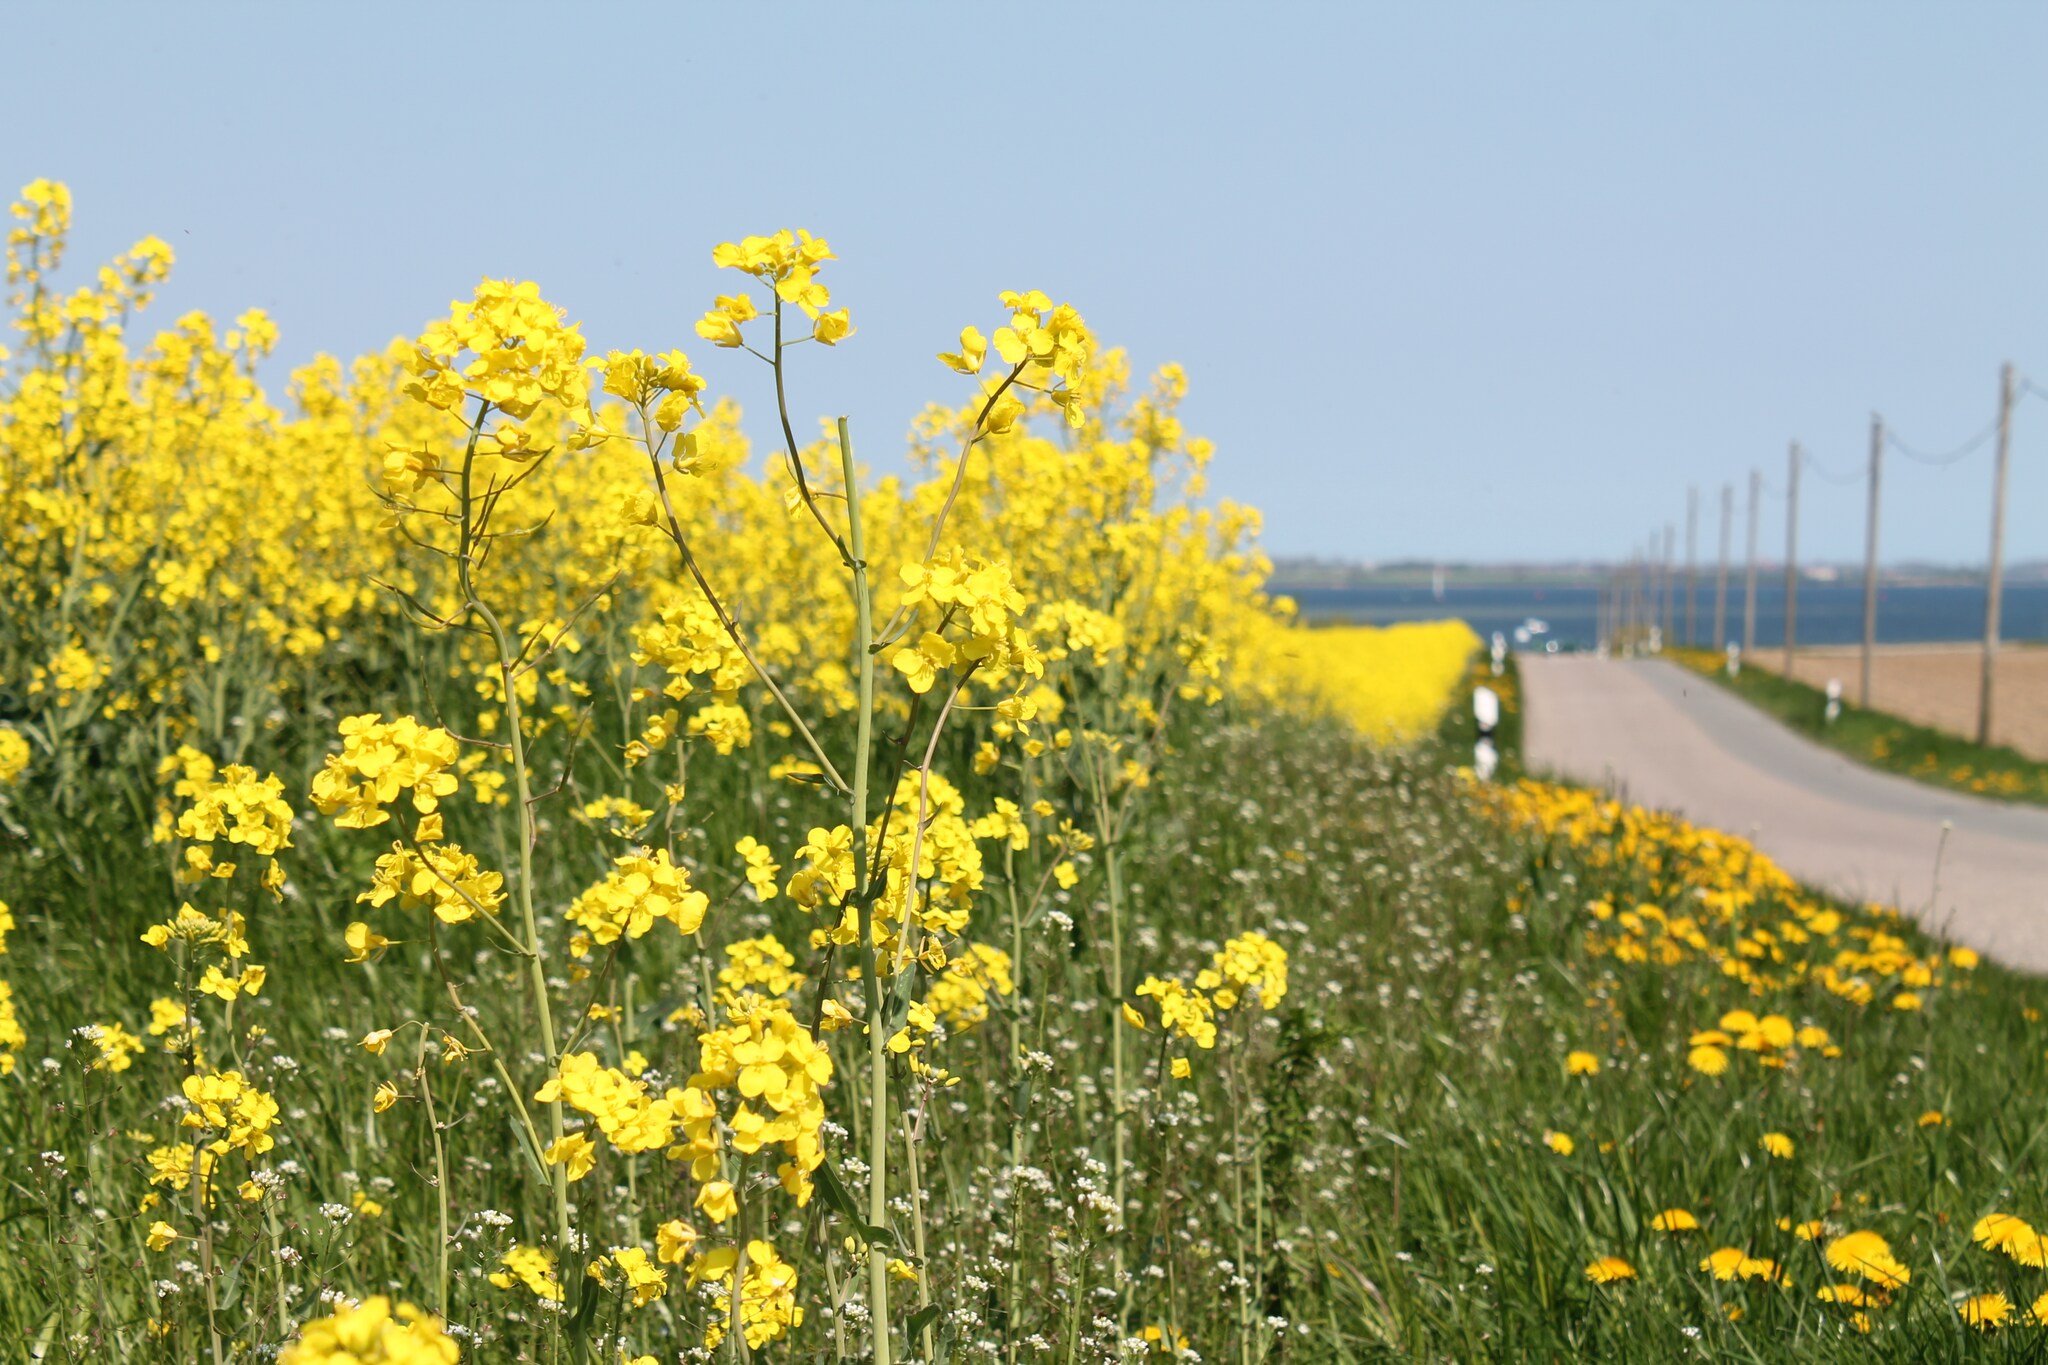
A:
[1456,280]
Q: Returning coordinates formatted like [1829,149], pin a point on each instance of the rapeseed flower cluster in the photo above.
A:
[373,1332]
[776,1071]
[640,889]
[379,761]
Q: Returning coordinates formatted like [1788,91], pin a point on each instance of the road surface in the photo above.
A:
[1662,736]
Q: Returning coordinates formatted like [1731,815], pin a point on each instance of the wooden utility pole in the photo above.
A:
[1613,606]
[1606,631]
[1692,533]
[1756,480]
[1632,600]
[1659,584]
[1670,538]
[1646,612]
[1791,557]
[1721,574]
[1623,601]
[1646,593]
[1870,558]
[1994,586]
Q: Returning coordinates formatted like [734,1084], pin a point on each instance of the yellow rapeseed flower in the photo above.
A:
[373,1332]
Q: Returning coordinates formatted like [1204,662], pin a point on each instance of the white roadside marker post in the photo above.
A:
[1485,710]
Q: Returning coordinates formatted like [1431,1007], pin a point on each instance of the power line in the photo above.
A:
[1963,451]
[1829,477]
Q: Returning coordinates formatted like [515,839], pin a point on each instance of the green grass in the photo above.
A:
[1391,1197]
[1881,740]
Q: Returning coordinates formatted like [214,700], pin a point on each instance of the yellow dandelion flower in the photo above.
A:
[1762,1268]
[1610,1270]
[1707,1059]
[1985,1311]
[1675,1220]
[2000,1231]
[1867,1254]
[1581,1063]
[1726,1263]
[1777,1144]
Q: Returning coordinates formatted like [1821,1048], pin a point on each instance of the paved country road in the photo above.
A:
[1664,737]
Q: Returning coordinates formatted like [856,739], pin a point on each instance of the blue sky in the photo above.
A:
[1457,280]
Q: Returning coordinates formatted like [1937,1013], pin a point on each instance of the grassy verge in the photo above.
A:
[1882,740]
[1454,1180]
[1495,1067]
[1483,1179]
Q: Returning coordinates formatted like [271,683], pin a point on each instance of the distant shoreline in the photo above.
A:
[1566,610]
[1288,579]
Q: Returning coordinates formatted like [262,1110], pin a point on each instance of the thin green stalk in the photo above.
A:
[440,1181]
[924,1283]
[864,893]
[1244,1311]
[622,1034]
[735,1328]
[203,1224]
[1010,1333]
[528,836]
[537,974]
[1106,836]
[276,1232]
[206,1264]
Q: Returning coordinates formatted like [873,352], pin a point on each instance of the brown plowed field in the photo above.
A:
[1936,685]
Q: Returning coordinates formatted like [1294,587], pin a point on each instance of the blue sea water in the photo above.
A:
[1829,613]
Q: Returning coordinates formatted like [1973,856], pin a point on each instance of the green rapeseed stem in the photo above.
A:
[865,892]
